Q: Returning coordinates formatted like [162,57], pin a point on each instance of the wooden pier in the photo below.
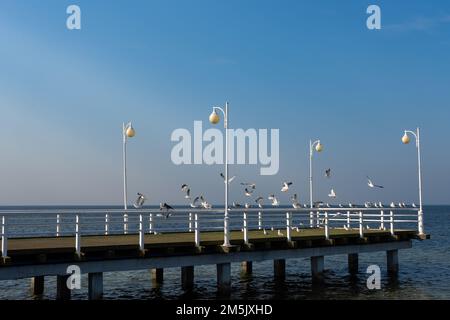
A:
[39,257]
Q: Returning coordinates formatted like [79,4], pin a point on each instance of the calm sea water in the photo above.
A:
[424,274]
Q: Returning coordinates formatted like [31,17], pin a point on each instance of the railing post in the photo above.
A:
[125,223]
[58,221]
[318,219]
[150,223]
[327,235]
[4,239]
[245,228]
[259,220]
[77,236]
[197,230]
[190,222]
[391,215]
[288,226]
[348,219]
[361,225]
[382,220]
[106,224]
[141,234]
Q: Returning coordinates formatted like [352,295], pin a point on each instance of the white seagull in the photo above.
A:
[259,201]
[332,194]
[139,201]
[286,186]
[372,185]
[274,199]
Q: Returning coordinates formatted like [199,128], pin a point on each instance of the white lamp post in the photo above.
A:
[214,119]
[316,145]
[127,132]
[406,140]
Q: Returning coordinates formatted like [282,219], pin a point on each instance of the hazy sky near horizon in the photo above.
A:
[309,68]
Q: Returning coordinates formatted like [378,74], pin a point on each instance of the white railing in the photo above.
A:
[78,223]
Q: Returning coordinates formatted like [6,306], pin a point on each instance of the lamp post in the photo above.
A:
[214,119]
[406,140]
[127,132]
[316,145]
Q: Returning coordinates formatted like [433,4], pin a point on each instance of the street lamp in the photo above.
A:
[316,145]
[214,118]
[406,140]
[127,132]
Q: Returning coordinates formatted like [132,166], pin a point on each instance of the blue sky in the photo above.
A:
[310,68]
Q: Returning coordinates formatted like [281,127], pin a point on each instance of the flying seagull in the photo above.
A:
[248,193]
[195,203]
[139,201]
[332,194]
[249,184]
[229,179]
[205,203]
[274,199]
[328,173]
[372,185]
[166,207]
[286,186]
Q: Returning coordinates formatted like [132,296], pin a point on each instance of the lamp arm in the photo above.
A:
[415,136]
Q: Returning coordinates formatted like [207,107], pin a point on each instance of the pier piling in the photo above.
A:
[62,291]
[37,285]
[392,262]
[224,277]
[157,276]
[317,264]
[353,263]
[279,269]
[247,267]
[187,277]
[95,286]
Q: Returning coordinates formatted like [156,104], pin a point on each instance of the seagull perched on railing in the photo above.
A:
[285,187]
[247,205]
[372,185]
[236,205]
[392,205]
[139,203]
[274,199]
[279,233]
[259,201]
[413,205]
[205,203]
[295,203]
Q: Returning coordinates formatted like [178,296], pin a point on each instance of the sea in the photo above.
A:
[424,274]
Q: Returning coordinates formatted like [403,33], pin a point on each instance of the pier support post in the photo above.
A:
[247,267]
[279,269]
[95,286]
[392,262]
[157,276]
[62,291]
[187,277]
[224,277]
[37,285]
[317,264]
[353,263]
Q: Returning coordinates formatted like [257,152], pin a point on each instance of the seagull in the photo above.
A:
[249,184]
[205,203]
[332,194]
[259,201]
[294,198]
[229,179]
[296,205]
[380,205]
[328,173]
[280,233]
[345,227]
[274,199]
[392,205]
[248,193]
[340,205]
[318,204]
[194,203]
[350,205]
[184,187]
[371,185]
[413,205]
[166,207]
[236,205]
[139,201]
[247,206]
[265,232]
[286,186]
[367,227]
